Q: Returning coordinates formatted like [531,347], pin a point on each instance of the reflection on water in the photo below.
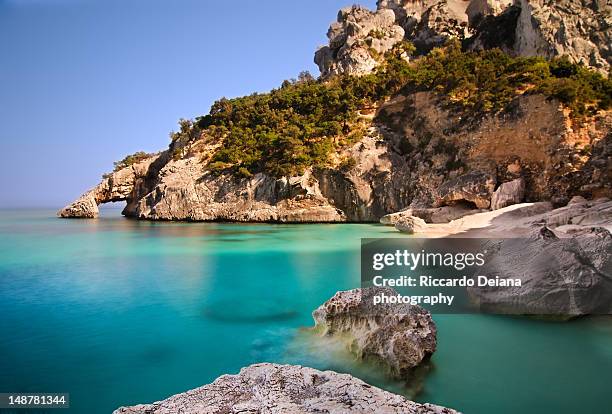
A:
[245,309]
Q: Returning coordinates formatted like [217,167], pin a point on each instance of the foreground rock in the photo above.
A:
[399,337]
[561,276]
[280,389]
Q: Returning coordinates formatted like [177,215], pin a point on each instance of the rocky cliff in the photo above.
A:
[579,29]
[417,147]
[421,155]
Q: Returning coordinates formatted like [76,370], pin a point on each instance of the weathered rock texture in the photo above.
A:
[480,9]
[357,40]
[508,193]
[560,276]
[281,389]
[579,29]
[400,336]
[418,154]
[579,215]
[474,187]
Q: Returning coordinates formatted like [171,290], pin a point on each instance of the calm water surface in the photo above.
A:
[117,312]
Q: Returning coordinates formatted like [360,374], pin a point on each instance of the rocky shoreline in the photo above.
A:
[531,170]
[415,150]
[398,338]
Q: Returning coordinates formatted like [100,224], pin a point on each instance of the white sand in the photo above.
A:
[505,222]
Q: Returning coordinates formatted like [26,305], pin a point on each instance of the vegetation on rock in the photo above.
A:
[304,121]
[131,159]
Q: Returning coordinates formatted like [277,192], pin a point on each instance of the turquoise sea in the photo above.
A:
[117,312]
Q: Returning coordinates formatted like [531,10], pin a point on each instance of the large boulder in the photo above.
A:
[411,225]
[86,206]
[474,187]
[561,277]
[279,389]
[508,194]
[398,336]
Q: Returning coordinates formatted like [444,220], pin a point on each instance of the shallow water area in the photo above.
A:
[118,312]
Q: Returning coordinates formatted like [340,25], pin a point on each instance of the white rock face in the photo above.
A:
[477,9]
[579,29]
[508,193]
[575,28]
[357,40]
[399,336]
[285,389]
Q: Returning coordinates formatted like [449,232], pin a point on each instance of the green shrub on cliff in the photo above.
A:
[131,159]
[488,80]
[301,123]
[284,131]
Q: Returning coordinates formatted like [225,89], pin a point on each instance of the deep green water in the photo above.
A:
[117,312]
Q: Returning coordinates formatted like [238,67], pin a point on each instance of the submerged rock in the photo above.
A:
[399,336]
[280,389]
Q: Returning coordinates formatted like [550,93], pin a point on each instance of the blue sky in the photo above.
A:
[85,82]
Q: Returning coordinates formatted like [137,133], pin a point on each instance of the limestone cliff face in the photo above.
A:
[416,153]
[579,29]
[357,39]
